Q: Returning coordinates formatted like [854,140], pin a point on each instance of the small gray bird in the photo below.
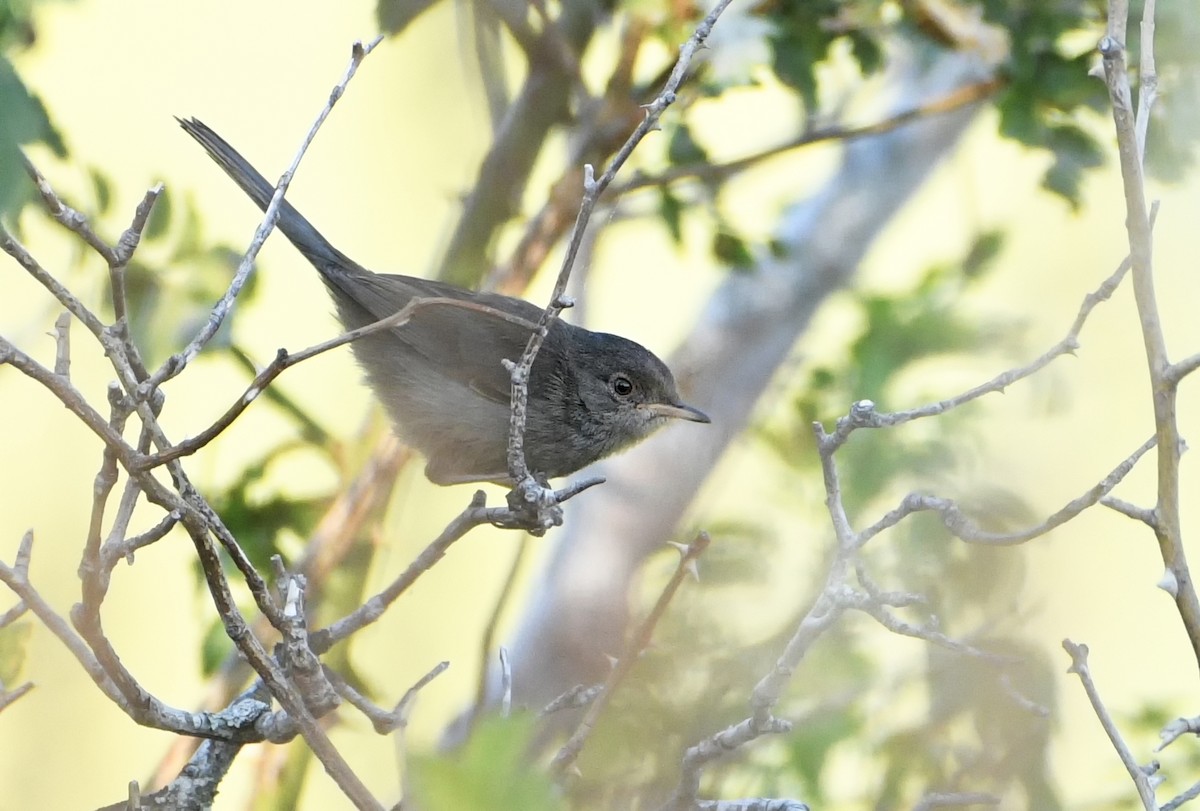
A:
[440,376]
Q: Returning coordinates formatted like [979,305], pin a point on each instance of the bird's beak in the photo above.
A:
[677,411]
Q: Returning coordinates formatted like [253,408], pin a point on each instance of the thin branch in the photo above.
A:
[506,683]
[1147,79]
[714,747]
[1020,699]
[8,697]
[475,514]
[66,216]
[488,641]
[69,396]
[284,360]
[1079,666]
[751,804]
[10,245]
[1163,392]
[878,611]
[638,643]
[1144,514]
[1186,797]
[965,529]
[13,614]
[383,721]
[954,800]
[709,172]
[864,415]
[530,490]
[1178,371]
[578,696]
[16,577]
[177,362]
[1178,727]
[62,345]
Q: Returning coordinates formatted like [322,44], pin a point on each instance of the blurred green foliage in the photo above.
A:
[14,641]
[491,771]
[23,117]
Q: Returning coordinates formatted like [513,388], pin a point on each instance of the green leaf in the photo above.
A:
[214,648]
[160,217]
[491,772]
[867,51]
[732,250]
[670,208]
[811,742]
[102,188]
[396,15]
[982,253]
[683,148]
[1074,151]
[23,120]
[795,66]
[14,639]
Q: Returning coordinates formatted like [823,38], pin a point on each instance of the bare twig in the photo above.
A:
[62,345]
[1079,666]
[709,171]
[385,722]
[284,360]
[1143,514]
[13,614]
[1147,79]
[751,804]
[488,641]
[878,611]
[713,747]
[1164,391]
[1178,371]
[7,697]
[578,696]
[864,415]
[506,683]
[177,362]
[10,245]
[1185,797]
[954,800]
[532,491]
[963,528]
[1178,727]
[66,216]
[475,514]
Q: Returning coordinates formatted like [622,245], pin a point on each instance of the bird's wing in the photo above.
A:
[465,335]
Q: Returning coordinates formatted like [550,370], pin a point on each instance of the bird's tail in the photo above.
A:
[299,231]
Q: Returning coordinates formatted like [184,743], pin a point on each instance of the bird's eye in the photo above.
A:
[621,385]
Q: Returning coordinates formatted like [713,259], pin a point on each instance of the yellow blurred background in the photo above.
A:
[382,181]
